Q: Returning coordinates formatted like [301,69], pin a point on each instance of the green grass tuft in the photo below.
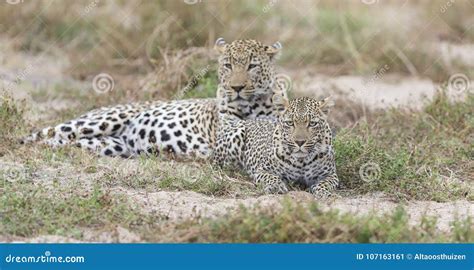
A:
[29,210]
[421,155]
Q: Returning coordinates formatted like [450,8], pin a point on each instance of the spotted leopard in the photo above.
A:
[246,90]
[296,149]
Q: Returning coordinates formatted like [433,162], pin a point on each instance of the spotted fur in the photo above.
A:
[295,149]
[246,90]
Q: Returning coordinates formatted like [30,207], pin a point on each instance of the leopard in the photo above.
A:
[296,150]
[246,88]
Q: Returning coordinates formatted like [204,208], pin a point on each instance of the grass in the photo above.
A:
[420,155]
[309,224]
[12,122]
[29,210]
[155,174]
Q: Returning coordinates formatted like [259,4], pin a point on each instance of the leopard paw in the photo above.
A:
[276,188]
[321,194]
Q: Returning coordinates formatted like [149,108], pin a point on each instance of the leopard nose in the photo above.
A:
[238,88]
[300,143]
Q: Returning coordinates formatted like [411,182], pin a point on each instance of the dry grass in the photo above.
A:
[12,123]
[171,40]
[423,155]
[31,211]
[308,224]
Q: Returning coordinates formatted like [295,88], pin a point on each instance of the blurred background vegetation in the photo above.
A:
[173,38]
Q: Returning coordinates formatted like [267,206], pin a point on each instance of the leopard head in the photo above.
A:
[303,127]
[246,69]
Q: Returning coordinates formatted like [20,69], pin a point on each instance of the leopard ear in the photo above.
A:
[220,45]
[326,104]
[274,50]
[280,102]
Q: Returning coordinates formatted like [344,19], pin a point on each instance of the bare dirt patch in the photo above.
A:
[375,92]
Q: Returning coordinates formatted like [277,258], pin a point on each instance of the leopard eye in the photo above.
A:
[289,123]
[252,66]
[229,66]
[313,124]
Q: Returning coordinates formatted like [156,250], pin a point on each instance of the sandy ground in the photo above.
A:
[182,205]
[386,91]
[185,204]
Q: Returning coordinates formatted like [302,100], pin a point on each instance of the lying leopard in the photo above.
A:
[295,149]
[246,89]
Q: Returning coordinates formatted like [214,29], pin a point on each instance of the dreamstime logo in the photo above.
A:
[429,120]
[284,81]
[87,9]
[13,175]
[446,6]
[14,2]
[193,177]
[46,258]
[424,170]
[20,77]
[369,2]
[376,75]
[192,2]
[458,83]
[193,82]
[103,83]
[268,6]
[369,172]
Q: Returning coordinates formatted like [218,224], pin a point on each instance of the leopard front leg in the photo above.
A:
[323,189]
[229,143]
[219,155]
[272,184]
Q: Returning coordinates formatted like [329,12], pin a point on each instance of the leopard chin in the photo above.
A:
[240,97]
[243,104]
[299,155]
